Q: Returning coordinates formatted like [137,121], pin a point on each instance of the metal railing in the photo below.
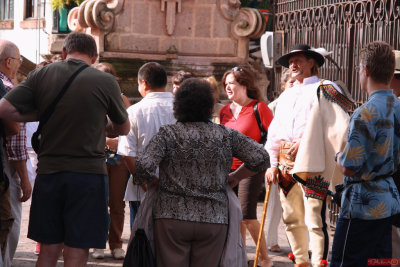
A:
[333,210]
[343,27]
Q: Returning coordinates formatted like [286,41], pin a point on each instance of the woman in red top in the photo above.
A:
[240,87]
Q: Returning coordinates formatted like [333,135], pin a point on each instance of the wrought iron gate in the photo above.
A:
[343,27]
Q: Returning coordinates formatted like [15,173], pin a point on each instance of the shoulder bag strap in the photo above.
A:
[50,109]
[263,132]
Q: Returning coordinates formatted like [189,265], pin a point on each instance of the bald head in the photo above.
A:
[9,58]
[7,49]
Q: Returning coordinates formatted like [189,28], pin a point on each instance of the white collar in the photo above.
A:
[158,95]
[308,80]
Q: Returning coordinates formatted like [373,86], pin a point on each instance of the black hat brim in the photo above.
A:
[284,60]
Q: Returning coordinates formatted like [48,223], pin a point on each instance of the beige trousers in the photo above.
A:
[304,219]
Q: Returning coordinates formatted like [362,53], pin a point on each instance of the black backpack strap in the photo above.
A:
[263,132]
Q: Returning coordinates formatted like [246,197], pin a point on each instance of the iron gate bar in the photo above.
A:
[343,27]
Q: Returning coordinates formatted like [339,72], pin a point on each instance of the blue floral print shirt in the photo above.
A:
[372,151]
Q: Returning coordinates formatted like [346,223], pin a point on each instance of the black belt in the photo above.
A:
[379,177]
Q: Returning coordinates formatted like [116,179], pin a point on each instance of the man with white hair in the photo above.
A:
[15,167]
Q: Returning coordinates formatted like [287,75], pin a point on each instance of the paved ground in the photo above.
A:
[25,258]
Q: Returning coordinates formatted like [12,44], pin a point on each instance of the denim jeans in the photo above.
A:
[133,206]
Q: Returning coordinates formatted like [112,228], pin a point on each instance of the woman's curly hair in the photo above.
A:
[194,101]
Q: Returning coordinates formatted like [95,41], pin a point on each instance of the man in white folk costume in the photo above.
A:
[309,127]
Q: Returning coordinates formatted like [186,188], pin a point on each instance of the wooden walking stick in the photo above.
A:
[264,214]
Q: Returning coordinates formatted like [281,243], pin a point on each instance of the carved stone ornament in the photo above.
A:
[249,23]
[229,8]
[96,14]
[170,7]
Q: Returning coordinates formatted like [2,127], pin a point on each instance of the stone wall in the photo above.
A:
[206,37]
[200,30]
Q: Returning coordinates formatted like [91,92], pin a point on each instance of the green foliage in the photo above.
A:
[59,4]
[265,4]
[262,4]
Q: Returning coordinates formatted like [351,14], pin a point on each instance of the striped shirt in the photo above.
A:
[16,144]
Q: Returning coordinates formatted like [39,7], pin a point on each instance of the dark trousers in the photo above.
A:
[134,207]
[356,241]
[6,218]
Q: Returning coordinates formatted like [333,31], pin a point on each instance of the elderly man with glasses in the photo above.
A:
[15,165]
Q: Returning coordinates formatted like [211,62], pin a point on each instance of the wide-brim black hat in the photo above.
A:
[305,49]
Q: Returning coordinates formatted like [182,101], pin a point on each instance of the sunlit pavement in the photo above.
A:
[25,257]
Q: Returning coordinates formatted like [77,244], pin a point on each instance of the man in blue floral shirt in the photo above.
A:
[371,156]
[395,84]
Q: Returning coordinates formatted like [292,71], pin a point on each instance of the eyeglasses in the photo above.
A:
[19,59]
[237,69]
